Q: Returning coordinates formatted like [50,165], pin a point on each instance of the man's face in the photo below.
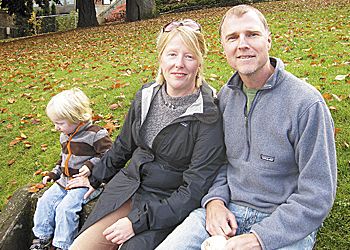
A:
[246,43]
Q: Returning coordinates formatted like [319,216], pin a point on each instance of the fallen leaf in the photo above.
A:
[33,189]
[23,136]
[308,50]
[110,127]
[336,97]
[27,144]
[336,131]
[39,185]
[121,96]
[10,162]
[313,56]
[3,110]
[340,77]
[214,76]
[35,121]
[38,172]
[114,106]
[97,117]
[119,85]
[43,147]
[11,100]
[45,173]
[14,142]
[327,96]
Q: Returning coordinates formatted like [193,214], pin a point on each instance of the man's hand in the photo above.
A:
[120,231]
[243,242]
[81,182]
[220,220]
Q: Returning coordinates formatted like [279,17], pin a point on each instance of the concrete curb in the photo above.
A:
[16,219]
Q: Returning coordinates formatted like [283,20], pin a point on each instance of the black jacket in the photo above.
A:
[165,182]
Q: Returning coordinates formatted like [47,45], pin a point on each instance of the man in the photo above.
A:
[280,180]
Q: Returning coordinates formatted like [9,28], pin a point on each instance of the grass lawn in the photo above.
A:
[110,63]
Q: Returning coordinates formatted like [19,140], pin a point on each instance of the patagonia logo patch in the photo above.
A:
[185,124]
[267,158]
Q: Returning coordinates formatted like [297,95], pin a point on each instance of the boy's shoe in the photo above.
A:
[39,244]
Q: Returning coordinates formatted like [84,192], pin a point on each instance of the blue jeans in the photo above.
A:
[190,234]
[56,215]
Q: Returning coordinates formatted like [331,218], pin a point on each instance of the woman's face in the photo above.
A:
[179,67]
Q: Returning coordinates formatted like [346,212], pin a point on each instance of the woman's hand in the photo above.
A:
[84,171]
[120,231]
[81,182]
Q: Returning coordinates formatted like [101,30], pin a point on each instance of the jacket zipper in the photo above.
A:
[66,168]
[247,117]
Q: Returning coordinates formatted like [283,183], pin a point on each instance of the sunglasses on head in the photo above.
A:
[187,22]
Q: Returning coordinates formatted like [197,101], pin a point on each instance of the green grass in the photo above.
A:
[312,37]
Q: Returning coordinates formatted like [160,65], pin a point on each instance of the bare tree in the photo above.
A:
[86,13]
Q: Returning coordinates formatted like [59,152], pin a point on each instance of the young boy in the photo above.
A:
[56,217]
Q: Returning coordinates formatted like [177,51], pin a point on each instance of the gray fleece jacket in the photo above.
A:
[281,156]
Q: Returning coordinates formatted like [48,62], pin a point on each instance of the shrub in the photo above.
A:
[67,22]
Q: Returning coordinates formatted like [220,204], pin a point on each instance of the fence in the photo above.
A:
[55,23]
[41,25]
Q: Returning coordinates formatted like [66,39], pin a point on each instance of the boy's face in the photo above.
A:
[65,126]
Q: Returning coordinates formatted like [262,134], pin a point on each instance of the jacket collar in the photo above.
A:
[204,108]
[80,128]
[236,82]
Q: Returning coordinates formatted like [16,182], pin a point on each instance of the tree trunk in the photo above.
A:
[140,9]
[86,13]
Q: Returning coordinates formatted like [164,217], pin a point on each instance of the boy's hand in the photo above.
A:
[84,171]
[46,179]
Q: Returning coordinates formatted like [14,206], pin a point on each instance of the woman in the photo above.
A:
[173,138]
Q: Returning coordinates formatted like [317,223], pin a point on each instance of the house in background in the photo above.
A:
[65,7]
[110,10]
[106,10]
[6,25]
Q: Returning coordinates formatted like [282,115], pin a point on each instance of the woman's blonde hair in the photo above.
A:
[72,105]
[195,42]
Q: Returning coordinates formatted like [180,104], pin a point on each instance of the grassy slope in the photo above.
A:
[111,62]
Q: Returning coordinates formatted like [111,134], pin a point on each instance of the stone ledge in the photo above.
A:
[16,219]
